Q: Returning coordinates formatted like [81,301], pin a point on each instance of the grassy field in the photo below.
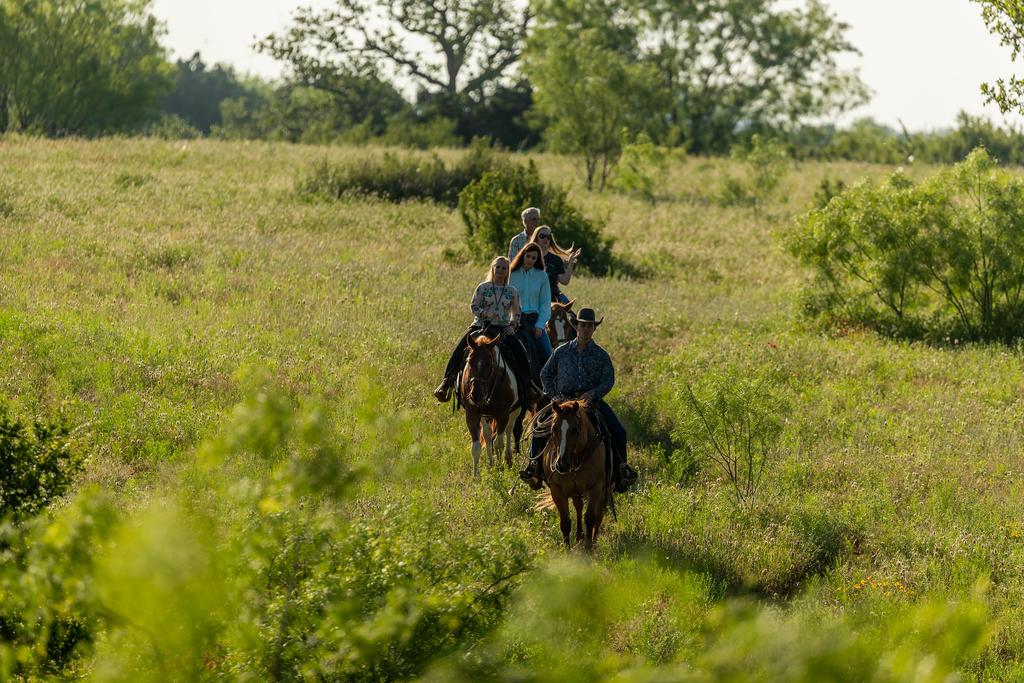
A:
[150,287]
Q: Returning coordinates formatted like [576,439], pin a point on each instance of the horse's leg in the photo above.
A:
[509,439]
[506,436]
[577,502]
[562,503]
[500,426]
[473,422]
[486,436]
[597,500]
[517,427]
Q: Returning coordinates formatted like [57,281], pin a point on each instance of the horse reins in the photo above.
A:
[497,375]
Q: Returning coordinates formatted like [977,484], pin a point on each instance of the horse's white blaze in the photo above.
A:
[565,437]
[559,330]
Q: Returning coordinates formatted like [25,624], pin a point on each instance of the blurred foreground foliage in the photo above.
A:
[275,576]
[265,565]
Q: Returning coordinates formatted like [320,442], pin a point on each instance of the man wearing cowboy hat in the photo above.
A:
[582,370]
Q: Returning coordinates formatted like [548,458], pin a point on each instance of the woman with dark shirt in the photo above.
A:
[558,262]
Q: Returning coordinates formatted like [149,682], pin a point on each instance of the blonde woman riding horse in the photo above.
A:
[496,309]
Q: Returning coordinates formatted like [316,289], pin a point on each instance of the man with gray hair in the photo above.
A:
[531,219]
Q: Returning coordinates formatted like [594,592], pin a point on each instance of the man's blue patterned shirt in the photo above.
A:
[571,372]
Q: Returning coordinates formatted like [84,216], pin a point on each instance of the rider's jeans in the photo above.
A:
[543,345]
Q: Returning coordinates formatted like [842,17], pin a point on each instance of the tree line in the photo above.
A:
[584,77]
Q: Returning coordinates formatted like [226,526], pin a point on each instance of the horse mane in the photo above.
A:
[485,341]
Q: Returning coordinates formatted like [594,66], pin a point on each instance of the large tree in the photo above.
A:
[198,91]
[454,47]
[590,91]
[73,67]
[749,63]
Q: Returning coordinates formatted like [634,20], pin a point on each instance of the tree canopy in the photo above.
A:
[473,44]
[1005,18]
[729,64]
[199,90]
[79,67]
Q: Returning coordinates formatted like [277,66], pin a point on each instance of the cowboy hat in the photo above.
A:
[587,315]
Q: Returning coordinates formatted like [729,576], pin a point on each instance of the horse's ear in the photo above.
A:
[569,305]
[471,342]
[556,407]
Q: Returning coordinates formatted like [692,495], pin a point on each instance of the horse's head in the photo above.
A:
[481,371]
[570,432]
[563,331]
[558,308]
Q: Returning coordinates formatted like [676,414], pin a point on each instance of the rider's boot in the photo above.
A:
[443,392]
[624,478]
[533,474]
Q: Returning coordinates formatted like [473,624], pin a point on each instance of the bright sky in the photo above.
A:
[923,59]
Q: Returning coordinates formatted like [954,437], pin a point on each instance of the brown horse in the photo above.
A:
[487,387]
[558,328]
[574,463]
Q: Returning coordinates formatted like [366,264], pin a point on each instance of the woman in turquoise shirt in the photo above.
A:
[529,278]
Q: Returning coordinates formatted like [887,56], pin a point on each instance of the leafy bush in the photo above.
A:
[641,169]
[397,178]
[491,208]
[734,420]
[37,462]
[173,127]
[827,189]
[404,130]
[766,162]
[941,258]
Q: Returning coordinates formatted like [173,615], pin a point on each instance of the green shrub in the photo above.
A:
[583,622]
[827,189]
[173,127]
[734,419]
[37,462]
[50,614]
[398,178]
[404,130]
[491,208]
[642,168]
[941,258]
[766,162]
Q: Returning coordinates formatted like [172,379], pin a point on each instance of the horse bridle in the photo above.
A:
[575,447]
[494,382]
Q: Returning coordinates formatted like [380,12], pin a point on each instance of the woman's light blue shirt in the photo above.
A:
[534,293]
